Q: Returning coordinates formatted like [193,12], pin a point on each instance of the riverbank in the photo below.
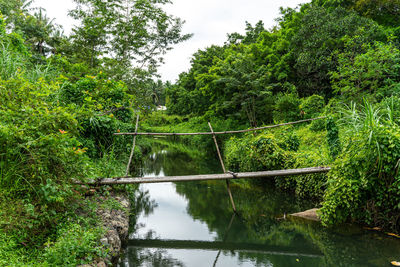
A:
[114,218]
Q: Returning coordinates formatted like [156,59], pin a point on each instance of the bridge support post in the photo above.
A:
[133,147]
[223,168]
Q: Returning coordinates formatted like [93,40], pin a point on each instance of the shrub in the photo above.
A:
[312,106]
[287,108]
[75,246]
[259,153]
[364,181]
[333,138]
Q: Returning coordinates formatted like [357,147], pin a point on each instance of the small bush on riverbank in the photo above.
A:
[74,246]
[281,149]
[255,153]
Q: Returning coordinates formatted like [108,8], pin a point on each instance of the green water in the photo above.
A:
[192,224]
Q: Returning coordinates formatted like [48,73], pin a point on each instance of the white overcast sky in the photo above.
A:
[209,20]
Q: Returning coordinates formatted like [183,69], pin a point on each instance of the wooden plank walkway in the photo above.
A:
[203,177]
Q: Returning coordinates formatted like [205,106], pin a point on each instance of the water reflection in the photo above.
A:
[191,224]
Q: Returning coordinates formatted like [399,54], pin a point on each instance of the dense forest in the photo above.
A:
[62,98]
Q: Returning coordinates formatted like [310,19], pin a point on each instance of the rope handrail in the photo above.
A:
[226,132]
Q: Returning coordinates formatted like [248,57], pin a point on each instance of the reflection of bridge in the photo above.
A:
[224,245]
[227,246]
[226,175]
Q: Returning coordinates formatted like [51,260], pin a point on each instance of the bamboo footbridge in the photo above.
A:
[226,175]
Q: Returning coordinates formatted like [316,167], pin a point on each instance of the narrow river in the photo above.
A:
[192,224]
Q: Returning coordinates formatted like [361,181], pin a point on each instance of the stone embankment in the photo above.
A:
[116,224]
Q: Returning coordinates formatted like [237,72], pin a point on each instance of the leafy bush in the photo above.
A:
[162,119]
[318,125]
[312,106]
[333,138]
[390,108]
[13,254]
[364,181]
[255,153]
[374,72]
[289,141]
[259,153]
[287,108]
[75,246]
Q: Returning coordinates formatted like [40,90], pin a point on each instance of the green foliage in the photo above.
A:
[125,39]
[287,108]
[390,109]
[363,184]
[333,138]
[283,149]
[318,125]
[375,72]
[259,153]
[185,97]
[258,77]
[41,35]
[385,12]
[74,246]
[104,108]
[324,30]
[312,106]
[12,254]
[161,119]
[289,141]
[194,124]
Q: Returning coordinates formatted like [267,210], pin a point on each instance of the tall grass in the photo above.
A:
[10,63]
[367,117]
[41,71]
[366,121]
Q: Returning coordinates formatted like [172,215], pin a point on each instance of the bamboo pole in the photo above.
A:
[223,168]
[204,177]
[224,239]
[216,145]
[133,147]
[225,132]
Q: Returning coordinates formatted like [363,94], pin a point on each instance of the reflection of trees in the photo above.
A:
[257,223]
[150,257]
[173,161]
[209,203]
[142,203]
[349,245]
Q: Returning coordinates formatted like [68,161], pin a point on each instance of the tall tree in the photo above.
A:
[132,34]
[90,38]
[39,31]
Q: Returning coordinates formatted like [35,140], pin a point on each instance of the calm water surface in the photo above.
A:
[192,224]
